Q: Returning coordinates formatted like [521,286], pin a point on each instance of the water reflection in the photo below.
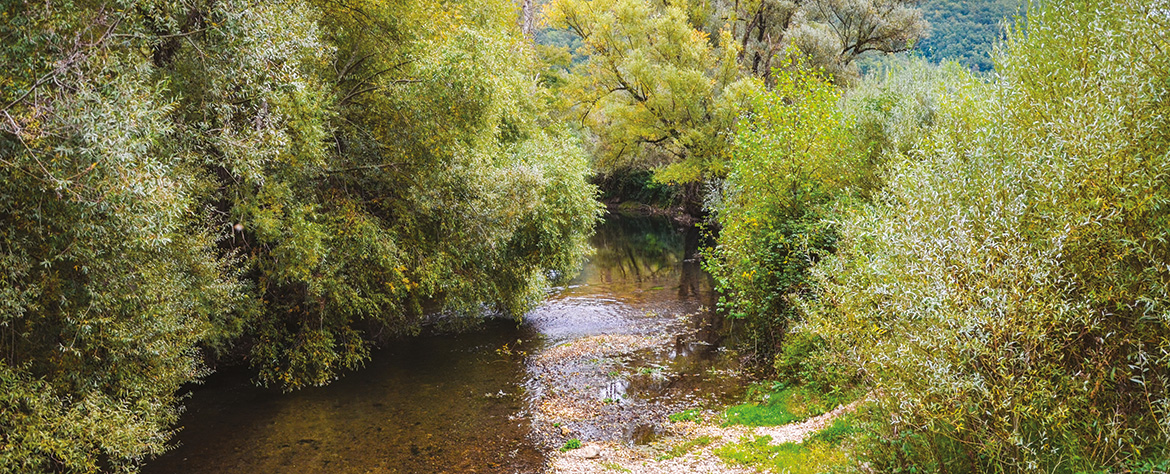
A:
[641,266]
[642,254]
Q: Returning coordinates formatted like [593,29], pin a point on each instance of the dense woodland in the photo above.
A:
[966,31]
[981,256]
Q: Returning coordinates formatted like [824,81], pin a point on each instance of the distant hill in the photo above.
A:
[965,30]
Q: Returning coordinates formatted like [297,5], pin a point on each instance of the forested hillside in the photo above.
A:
[273,183]
[965,30]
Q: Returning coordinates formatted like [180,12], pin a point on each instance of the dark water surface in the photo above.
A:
[445,403]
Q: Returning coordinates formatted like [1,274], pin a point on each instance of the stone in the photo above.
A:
[590,451]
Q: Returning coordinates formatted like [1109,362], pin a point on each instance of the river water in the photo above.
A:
[468,402]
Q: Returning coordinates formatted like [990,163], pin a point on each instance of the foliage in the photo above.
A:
[639,186]
[654,90]
[663,83]
[791,160]
[966,32]
[894,107]
[283,182]
[829,35]
[804,360]
[1007,291]
[806,154]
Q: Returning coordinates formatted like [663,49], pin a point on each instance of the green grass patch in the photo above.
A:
[779,405]
[825,451]
[843,427]
[685,448]
[687,415]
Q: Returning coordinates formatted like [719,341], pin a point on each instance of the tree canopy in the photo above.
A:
[278,183]
[662,83]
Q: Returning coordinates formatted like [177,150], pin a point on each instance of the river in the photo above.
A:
[480,401]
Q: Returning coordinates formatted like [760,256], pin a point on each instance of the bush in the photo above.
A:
[1008,291]
[788,165]
[805,154]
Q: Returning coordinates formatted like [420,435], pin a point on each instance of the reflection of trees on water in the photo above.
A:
[692,272]
[637,250]
[647,252]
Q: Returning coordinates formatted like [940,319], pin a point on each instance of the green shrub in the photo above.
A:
[572,443]
[788,164]
[1008,292]
[805,154]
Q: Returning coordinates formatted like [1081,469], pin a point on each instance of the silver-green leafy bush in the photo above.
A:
[1007,292]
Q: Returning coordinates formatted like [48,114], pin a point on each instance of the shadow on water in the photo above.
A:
[457,403]
[440,403]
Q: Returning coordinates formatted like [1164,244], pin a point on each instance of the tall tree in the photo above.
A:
[654,89]
[662,83]
[831,34]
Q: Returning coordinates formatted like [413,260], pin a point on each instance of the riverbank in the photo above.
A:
[614,403]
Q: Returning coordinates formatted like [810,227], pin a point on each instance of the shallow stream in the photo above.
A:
[471,402]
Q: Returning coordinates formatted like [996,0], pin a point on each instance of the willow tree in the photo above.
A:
[657,92]
[186,180]
[441,179]
[830,34]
